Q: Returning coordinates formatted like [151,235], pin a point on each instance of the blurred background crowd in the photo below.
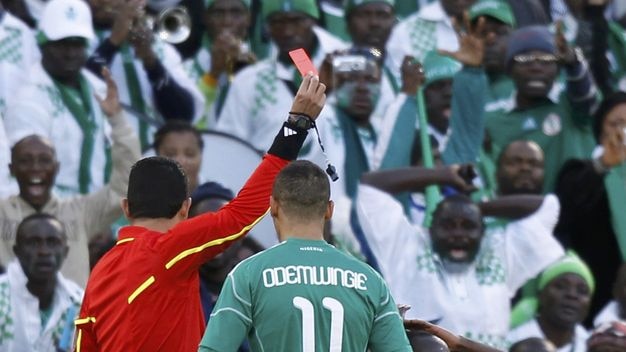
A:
[480,147]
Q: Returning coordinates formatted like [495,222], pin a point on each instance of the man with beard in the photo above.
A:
[261,93]
[565,290]
[38,304]
[562,128]
[467,273]
[348,134]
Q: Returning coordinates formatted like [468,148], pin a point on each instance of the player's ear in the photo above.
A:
[273,207]
[330,208]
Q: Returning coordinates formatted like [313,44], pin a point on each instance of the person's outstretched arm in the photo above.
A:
[455,342]
[100,209]
[189,244]
[415,179]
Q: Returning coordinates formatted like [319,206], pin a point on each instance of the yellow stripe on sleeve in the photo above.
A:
[85,320]
[215,242]
[79,340]
[125,240]
[141,288]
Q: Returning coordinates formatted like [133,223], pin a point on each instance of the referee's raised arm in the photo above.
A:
[143,295]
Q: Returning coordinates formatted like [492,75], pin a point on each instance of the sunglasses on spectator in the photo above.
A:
[528,58]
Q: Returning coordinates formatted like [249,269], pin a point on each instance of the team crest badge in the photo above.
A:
[70,13]
[552,125]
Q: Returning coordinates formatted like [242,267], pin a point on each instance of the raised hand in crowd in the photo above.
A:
[226,52]
[141,38]
[471,42]
[110,104]
[564,52]
[126,15]
[415,179]
[412,75]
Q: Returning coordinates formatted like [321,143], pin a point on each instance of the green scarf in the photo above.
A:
[78,102]
[355,160]
[432,193]
[615,183]
[134,90]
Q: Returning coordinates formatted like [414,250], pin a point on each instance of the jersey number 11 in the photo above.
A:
[308,323]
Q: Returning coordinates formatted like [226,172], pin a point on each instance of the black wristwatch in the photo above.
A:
[300,121]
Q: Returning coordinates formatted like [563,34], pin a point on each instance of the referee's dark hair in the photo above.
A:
[303,190]
[157,188]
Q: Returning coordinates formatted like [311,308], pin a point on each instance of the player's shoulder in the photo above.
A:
[355,263]
[257,260]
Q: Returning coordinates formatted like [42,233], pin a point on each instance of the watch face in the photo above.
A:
[300,121]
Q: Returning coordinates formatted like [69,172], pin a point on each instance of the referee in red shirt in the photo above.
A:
[143,295]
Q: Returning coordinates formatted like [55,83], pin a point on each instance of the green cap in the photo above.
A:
[526,309]
[208,3]
[306,6]
[498,9]
[352,4]
[570,264]
[438,67]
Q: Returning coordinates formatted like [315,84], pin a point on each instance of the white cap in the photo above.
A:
[66,18]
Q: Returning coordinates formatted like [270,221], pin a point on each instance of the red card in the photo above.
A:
[302,62]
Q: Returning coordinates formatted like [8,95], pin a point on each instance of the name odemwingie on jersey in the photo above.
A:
[313,275]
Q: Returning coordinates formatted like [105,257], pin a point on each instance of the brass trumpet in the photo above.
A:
[173,25]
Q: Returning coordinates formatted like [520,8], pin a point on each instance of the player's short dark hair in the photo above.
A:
[19,232]
[157,188]
[175,126]
[303,190]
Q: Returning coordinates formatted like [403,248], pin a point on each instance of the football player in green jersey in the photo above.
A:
[303,294]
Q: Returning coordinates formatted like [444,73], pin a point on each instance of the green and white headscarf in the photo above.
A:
[308,7]
[352,4]
[208,3]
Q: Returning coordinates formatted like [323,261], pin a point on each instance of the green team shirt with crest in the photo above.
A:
[305,295]
[560,129]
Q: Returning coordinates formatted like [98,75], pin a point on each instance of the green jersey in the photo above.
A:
[561,129]
[305,295]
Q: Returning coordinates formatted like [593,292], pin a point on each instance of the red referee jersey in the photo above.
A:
[143,295]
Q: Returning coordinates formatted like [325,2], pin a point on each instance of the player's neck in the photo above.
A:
[312,231]
[158,225]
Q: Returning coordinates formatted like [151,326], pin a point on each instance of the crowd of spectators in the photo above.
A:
[480,147]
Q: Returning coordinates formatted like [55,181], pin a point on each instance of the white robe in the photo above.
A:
[38,109]
[20,315]
[474,303]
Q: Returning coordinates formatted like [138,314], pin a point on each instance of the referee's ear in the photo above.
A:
[124,205]
[183,212]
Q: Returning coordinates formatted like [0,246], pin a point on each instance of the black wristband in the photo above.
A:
[288,142]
